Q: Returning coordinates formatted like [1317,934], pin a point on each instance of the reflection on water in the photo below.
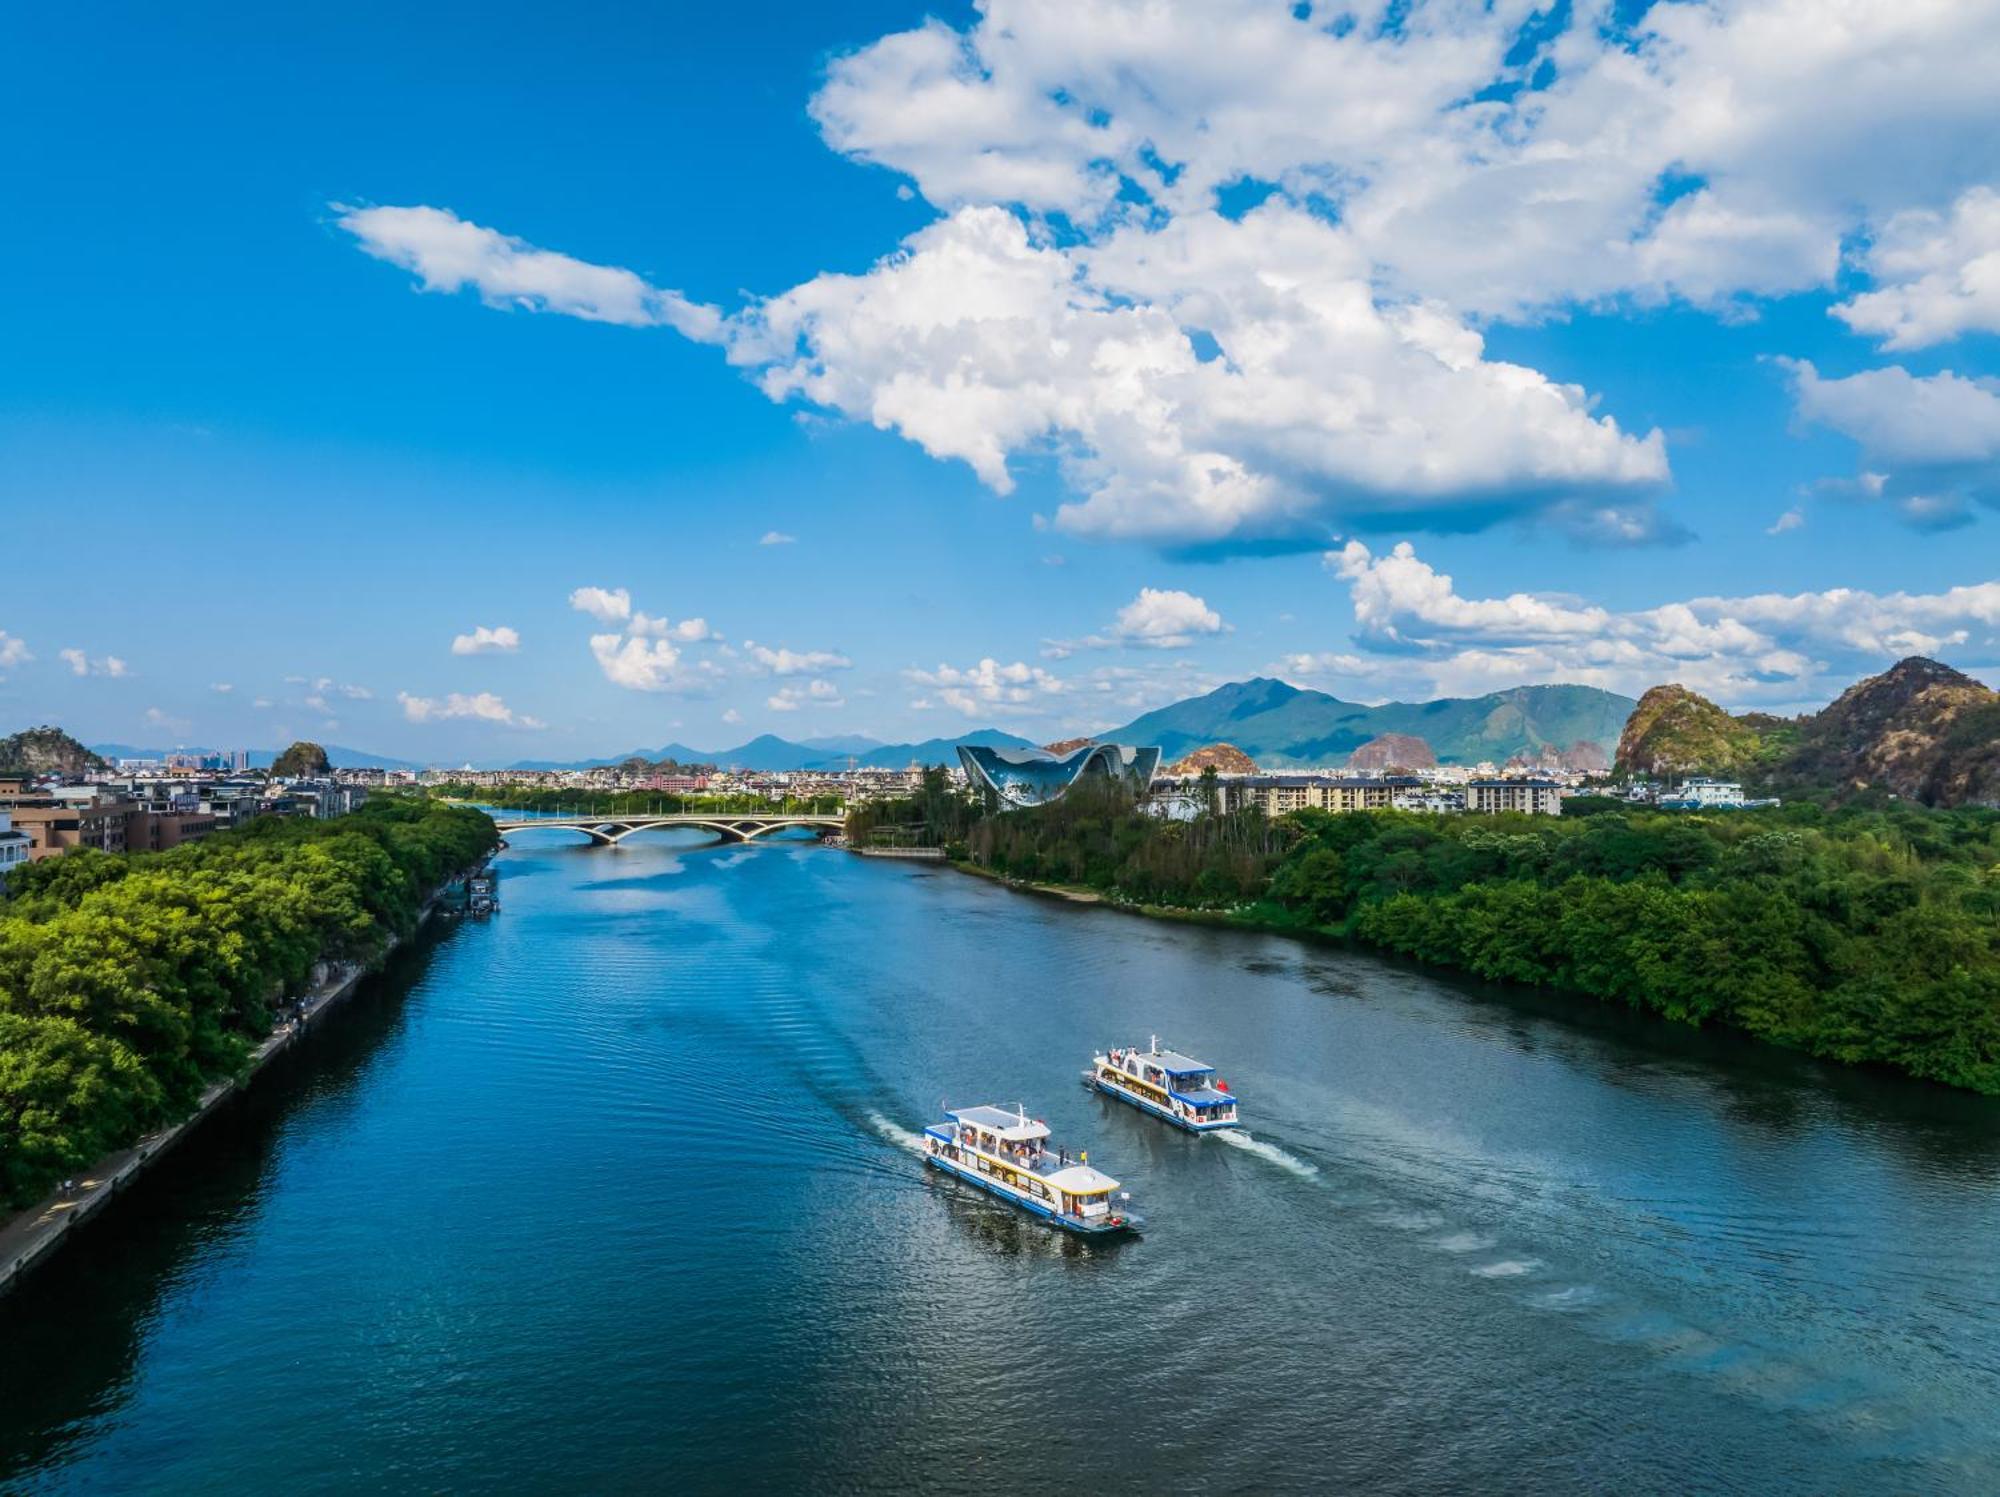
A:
[623,1183]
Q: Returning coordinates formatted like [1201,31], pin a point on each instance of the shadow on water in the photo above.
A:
[73,1332]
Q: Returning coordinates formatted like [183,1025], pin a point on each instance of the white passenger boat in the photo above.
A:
[1179,1088]
[1008,1153]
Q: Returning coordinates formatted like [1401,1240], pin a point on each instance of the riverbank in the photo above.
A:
[32,1235]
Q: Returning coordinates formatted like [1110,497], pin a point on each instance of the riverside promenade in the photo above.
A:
[31,1235]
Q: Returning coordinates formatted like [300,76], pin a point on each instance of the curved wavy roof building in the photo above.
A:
[1034,777]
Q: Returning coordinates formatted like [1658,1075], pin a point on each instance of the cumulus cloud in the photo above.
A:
[640,664]
[448,254]
[499,640]
[783,662]
[776,538]
[732,716]
[482,707]
[1411,623]
[1158,618]
[14,651]
[607,605]
[1930,444]
[81,664]
[812,694]
[1938,275]
[222,688]
[1016,688]
[1166,619]
[1093,289]
[1792,519]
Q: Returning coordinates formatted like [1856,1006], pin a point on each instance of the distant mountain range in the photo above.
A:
[1284,727]
[341,758]
[1278,725]
[768,751]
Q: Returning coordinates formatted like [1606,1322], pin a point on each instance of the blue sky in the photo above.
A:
[1581,347]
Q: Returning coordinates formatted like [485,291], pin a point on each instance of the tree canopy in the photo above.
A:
[128,983]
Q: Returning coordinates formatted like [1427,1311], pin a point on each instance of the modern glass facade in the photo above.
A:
[1034,777]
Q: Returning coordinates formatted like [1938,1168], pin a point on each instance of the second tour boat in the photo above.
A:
[1169,1085]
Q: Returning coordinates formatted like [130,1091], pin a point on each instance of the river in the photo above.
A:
[616,1193]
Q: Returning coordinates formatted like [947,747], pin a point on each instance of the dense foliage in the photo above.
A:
[127,984]
[1860,935]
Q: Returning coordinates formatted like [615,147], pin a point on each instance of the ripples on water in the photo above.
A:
[618,1191]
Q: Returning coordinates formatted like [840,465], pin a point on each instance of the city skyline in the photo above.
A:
[869,374]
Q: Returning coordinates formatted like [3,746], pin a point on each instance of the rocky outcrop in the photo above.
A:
[302,760]
[1586,756]
[1223,758]
[1920,730]
[1392,751]
[45,750]
[1675,731]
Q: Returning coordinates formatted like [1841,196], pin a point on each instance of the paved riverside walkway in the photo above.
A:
[31,1235]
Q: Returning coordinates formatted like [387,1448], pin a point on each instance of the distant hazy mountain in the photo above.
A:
[340,757]
[1282,726]
[768,751]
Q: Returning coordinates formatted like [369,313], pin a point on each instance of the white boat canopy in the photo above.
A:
[1014,1127]
[1082,1180]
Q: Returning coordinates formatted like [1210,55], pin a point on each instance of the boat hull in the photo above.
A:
[1186,1125]
[1125,1225]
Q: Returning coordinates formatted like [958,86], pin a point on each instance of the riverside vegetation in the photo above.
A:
[129,983]
[1863,935]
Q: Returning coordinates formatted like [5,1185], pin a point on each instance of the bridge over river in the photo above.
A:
[731,826]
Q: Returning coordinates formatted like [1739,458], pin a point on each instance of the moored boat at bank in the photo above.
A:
[1184,1091]
[1009,1154]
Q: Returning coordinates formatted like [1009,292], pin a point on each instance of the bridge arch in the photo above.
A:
[610,831]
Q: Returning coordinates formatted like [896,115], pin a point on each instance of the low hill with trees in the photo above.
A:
[302,761]
[45,750]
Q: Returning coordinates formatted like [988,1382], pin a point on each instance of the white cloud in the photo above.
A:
[448,254]
[783,662]
[1938,274]
[483,707]
[988,685]
[1211,377]
[606,605]
[1930,444]
[81,664]
[222,688]
[687,631]
[812,694]
[357,693]
[317,702]
[14,651]
[1166,619]
[498,640]
[731,715]
[648,665]
[1792,519]
[1413,625]
[157,717]
[776,538]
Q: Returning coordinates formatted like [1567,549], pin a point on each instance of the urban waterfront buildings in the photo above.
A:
[1034,777]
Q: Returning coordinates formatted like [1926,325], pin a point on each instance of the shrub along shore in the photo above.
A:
[129,983]
[1862,935]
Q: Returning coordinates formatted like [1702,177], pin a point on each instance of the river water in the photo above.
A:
[616,1192]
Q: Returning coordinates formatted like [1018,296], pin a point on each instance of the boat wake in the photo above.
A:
[902,1138]
[1236,1138]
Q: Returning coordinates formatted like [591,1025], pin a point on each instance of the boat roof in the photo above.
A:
[1176,1064]
[1009,1123]
[1081,1180]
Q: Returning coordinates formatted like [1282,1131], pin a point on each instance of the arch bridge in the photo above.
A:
[730,826]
